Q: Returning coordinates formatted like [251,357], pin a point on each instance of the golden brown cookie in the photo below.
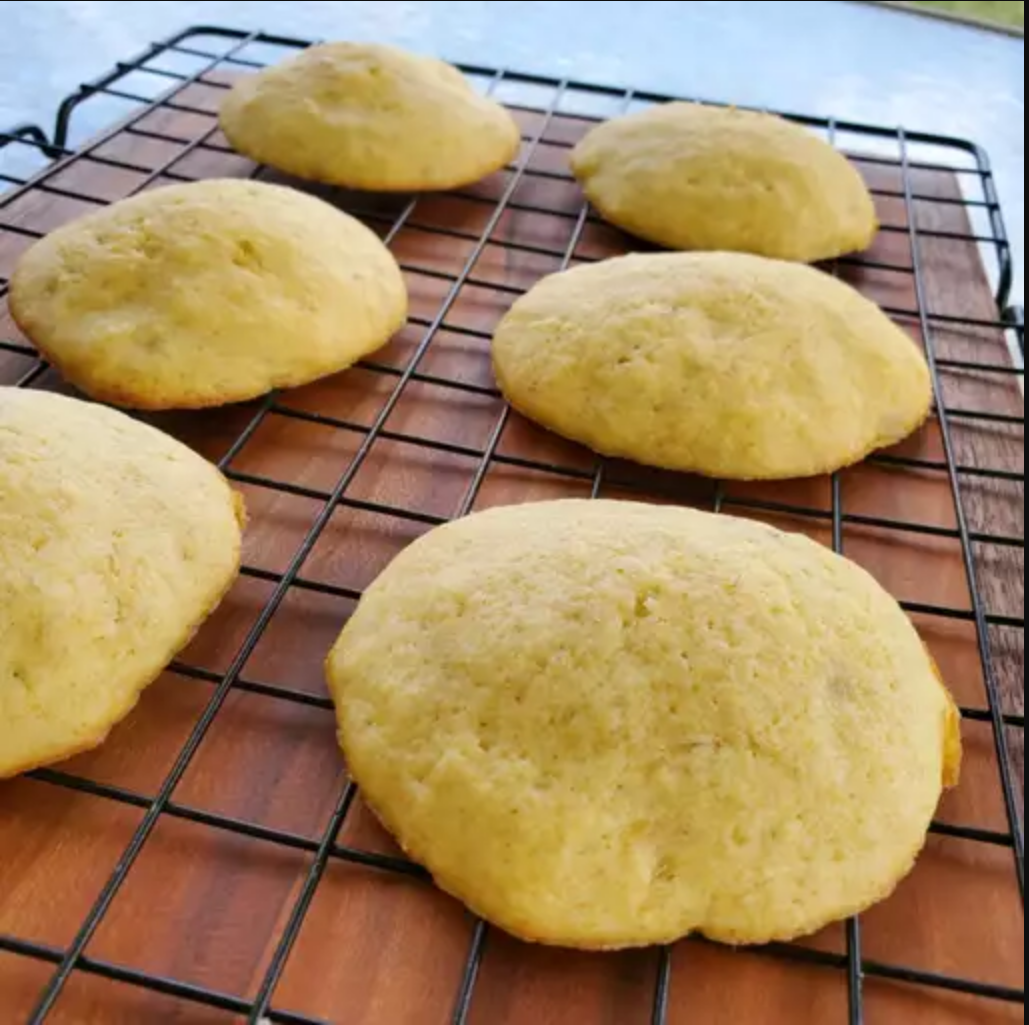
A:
[116,542]
[208,294]
[726,365]
[606,725]
[709,178]
[370,117]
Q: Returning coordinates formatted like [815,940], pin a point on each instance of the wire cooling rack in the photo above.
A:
[487,245]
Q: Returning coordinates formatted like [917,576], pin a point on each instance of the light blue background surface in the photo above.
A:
[850,61]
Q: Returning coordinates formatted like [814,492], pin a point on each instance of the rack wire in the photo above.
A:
[204,56]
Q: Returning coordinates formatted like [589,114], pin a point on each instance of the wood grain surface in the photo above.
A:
[207,907]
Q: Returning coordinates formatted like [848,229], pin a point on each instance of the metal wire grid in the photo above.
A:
[853,965]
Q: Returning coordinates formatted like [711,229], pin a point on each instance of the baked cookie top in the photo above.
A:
[207,294]
[370,117]
[606,725]
[726,365]
[693,177]
[116,542]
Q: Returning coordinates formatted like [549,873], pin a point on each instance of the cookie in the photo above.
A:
[370,117]
[116,542]
[607,725]
[726,365]
[692,177]
[207,294]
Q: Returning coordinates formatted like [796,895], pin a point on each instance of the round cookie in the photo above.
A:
[693,177]
[607,725]
[721,364]
[116,542]
[370,117]
[207,294]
